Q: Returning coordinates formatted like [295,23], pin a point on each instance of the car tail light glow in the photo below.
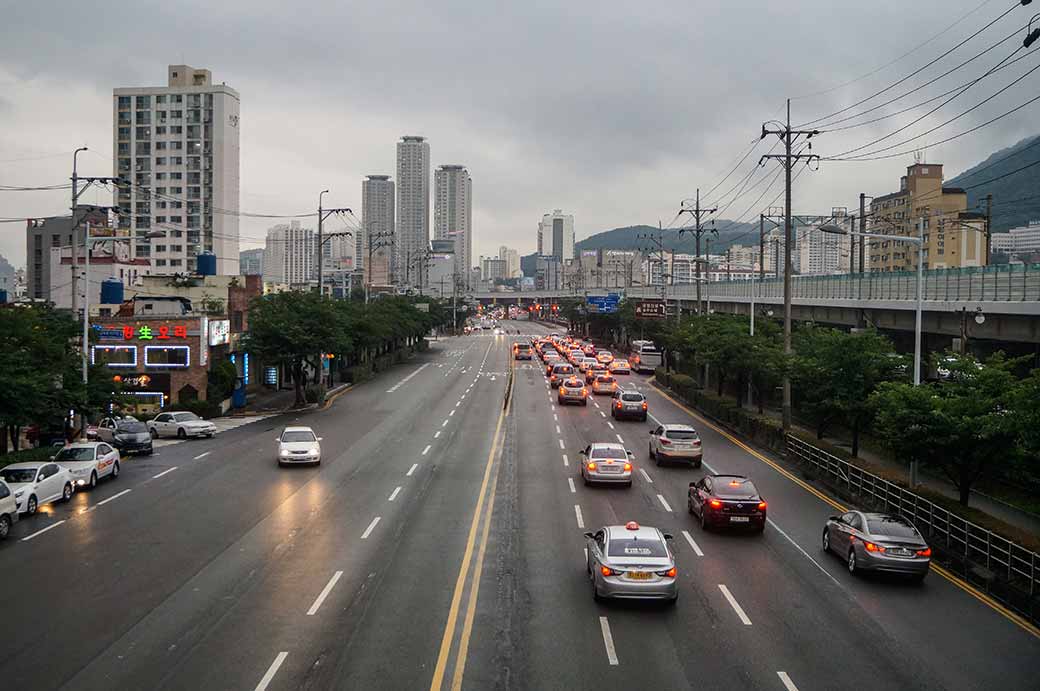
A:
[628,466]
[618,404]
[871,547]
[584,391]
[761,506]
[926,552]
[644,405]
[715,504]
[591,465]
[666,442]
[607,571]
[670,573]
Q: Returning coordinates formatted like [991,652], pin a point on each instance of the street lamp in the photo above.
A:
[919,241]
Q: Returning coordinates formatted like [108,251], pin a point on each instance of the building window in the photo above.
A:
[167,356]
[124,102]
[176,262]
[159,262]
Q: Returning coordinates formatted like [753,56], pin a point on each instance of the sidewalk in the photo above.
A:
[267,401]
[982,502]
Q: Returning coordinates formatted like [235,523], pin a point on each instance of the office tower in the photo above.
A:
[512,260]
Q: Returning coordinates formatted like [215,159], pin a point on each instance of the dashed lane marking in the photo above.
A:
[561,443]
[570,483]
[41,532]
[664,503]
[202,455]
[735,605]
[412,469]
[168,470]
[619,438]
[608,641]
[786,680]
[324,593]
[271,671]
[577,514]
[646,476]
[370,528]
[693,543]
[426,450]
[565,461]
[393,495]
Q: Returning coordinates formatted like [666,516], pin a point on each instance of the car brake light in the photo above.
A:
[584,391]
[606,570]
[628,466]
[618,404]
[591,465]
[926,552]
[644,405]
[670,573]
[666,442]
[715,504]
[761,506]
[871,547]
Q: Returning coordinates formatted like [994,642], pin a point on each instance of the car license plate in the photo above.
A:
[899,552]
[610,468]
[638,575]
[739,519]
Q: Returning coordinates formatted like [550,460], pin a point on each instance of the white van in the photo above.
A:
[644,356]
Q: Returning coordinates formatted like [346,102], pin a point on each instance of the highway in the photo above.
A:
[439,545]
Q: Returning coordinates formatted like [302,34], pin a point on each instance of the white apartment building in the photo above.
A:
[556,235]
[413,208]
[178,145]
[453,213]
[291,255]
[1023,240]
[512,259]
[820,253]
[377,226]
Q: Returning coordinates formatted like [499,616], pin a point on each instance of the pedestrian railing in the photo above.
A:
[956,535]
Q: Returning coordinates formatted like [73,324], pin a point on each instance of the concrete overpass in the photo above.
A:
[1007,297]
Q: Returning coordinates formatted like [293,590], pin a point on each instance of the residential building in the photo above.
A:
[952,237]
[291,255]
[251,262]
[443,272]
[179,146]
[377,229]
[1018,242]
[43,234]
[492,269]
[743,256]
[821,254]
[549,273]
[529,265]
[413,209]
[105,263]
[453,211]
[556,235]
[512,260]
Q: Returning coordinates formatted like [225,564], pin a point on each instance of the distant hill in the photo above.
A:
[1016,198]
[627,238]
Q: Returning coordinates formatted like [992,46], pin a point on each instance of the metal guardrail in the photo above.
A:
[956,534]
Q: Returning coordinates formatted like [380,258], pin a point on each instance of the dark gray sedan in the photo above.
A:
[878,542]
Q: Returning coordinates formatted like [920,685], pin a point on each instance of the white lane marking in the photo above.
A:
[437,434]
[393,495]
[324,593]
[646,476]
[735,605]
[426,450]
[557,429]
[595,404]
[271,671]
[561,443]
[664,503]
[41,532]
[459,403]
[619,438]
[610,425]
[577,514]
[444,424]
[404,381]
[696,548]
[555,418]
[788,684]
[412,469]
[168,470]
[602,414]
[370,528]
[608,641]
[202,455]
[570,481]
[565,461]
[105,501]
[451,414]
[651,416]
[553,405]
[799,548]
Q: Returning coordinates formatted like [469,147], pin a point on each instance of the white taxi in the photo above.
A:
[88,462]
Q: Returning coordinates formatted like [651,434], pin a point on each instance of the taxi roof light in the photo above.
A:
[631,525]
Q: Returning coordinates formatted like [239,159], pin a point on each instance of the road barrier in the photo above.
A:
[958,538]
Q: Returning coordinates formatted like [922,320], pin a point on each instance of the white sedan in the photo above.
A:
[88,462]
[35,484]
[181,425]
[298,445]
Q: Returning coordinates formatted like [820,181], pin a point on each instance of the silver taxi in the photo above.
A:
[631,561]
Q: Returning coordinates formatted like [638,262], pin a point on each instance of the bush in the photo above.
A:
[221,380]
[204,409]
[315,393]
[41,453]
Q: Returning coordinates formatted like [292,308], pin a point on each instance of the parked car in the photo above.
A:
[88,462]
[298,445]
[35,483]
[181,425]
[8,510]
[126,434]
[878,542]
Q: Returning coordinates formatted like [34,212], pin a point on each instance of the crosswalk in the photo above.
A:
[223,424]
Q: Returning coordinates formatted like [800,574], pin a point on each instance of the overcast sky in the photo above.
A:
[612,111]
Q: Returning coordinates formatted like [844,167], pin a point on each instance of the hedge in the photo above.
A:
[41,453]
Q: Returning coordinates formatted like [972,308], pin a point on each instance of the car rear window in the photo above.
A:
[735,488]
[636,548]
[605,380]
[564,369]
[608,452]
[893,526]
[523,346]
[631,397]
[680,435]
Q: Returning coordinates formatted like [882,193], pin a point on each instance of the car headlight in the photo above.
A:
[19,493]
[315,450]
[283,452]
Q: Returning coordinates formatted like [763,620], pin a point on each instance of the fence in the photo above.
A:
[955,535]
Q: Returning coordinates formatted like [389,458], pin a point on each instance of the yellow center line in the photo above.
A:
[957,581]
[460,582]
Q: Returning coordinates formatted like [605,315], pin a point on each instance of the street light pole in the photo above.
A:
[321,246]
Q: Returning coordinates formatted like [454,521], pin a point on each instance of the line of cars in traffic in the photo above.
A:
[636,561]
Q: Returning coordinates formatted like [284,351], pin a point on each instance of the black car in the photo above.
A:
[127,435]
[727,500]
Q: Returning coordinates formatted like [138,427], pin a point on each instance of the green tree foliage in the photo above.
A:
[835,372]
[964,425]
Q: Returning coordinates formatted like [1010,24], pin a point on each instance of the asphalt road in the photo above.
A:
[439,543]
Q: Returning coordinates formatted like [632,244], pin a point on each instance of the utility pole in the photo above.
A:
[862,227]
[852,245]
[761,246]
[375,241]
[74,224]
[789,159]
[322,215]
[989,226]
[698,214]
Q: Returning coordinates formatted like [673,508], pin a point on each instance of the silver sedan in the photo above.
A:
[631,561]
[878,542]
[606,463]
